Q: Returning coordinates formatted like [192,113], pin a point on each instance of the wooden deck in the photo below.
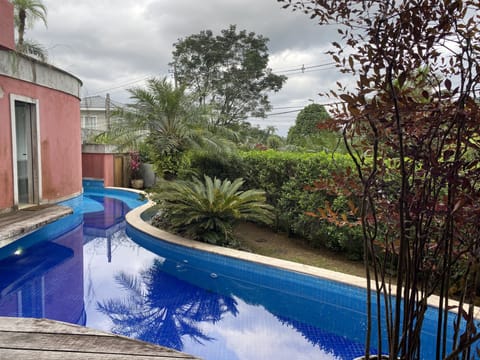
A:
[41,339]
[16,224]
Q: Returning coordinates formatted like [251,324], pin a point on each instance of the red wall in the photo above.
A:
[7,36]
[60,141]
[6,172]
[99,166]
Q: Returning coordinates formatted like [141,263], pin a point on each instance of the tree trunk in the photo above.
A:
[22,15]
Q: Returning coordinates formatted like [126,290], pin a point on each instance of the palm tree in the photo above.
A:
[26,13]
[207,211]
[164,116]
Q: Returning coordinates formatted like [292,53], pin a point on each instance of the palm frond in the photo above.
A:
[207,210]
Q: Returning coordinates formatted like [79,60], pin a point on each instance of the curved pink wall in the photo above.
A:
[60,141]
[6,174]
[99,166]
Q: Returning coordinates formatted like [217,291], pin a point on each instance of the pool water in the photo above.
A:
[92,269]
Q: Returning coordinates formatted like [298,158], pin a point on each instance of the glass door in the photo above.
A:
[27,174]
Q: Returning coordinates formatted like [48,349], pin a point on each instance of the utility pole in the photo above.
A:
[107,111]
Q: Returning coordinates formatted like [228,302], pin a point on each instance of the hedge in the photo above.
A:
[284,176]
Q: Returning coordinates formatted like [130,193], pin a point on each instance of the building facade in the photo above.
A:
[40,137]
[97,113]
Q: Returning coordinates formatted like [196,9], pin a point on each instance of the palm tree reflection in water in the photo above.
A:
[162,309]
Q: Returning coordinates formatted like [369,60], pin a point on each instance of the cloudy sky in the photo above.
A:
[113,45]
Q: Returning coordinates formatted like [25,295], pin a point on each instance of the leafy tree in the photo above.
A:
[228,71]
[26,13]
[413,137]
[308,133]
[251,136]
[207,211]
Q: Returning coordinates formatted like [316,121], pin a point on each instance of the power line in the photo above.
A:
[123,85]
[303,68]
[300,69]
[298,110]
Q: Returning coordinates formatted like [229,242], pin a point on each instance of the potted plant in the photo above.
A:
[136,180]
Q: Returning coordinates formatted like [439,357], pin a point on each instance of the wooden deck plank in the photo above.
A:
[57,355]
[45,326]
[28,338]
[18,223]
[73,342]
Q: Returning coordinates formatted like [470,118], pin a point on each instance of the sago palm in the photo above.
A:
[208,210]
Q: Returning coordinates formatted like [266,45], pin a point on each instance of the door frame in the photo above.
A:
[37,159]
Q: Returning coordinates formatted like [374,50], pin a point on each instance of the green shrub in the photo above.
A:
[208,210]
[284,177]
[219,165]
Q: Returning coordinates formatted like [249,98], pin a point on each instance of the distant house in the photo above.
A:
[96,115]
[40,138]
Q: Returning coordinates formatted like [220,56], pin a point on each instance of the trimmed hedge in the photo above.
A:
[284,176]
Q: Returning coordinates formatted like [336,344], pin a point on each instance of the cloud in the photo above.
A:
[254,333]
[111,43]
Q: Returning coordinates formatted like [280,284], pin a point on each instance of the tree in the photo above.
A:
[207,211]
[411,125]
[165,118]
[228,71]
[308,131]
[26,13]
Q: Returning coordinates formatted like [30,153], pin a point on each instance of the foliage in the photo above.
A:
[414,111]
[308,132]
[34,49]
[285,176]
[135,163]
[216,165]
[207,211]
[228,72]
[164,117]
[26,13]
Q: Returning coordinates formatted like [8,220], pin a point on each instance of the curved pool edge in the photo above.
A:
[134,219]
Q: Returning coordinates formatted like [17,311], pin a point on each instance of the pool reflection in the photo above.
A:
[95,275]
[45,280]
[161,309]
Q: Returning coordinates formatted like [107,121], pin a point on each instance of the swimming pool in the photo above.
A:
[92,269]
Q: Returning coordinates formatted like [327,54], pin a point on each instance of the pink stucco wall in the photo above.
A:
[6,172]
[99,166]
[7,38]
[60,141]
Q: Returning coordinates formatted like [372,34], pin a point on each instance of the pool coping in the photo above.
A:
[134,219]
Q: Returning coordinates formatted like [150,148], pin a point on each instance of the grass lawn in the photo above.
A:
[263,241]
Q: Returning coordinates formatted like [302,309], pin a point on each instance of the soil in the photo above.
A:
[264,241]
